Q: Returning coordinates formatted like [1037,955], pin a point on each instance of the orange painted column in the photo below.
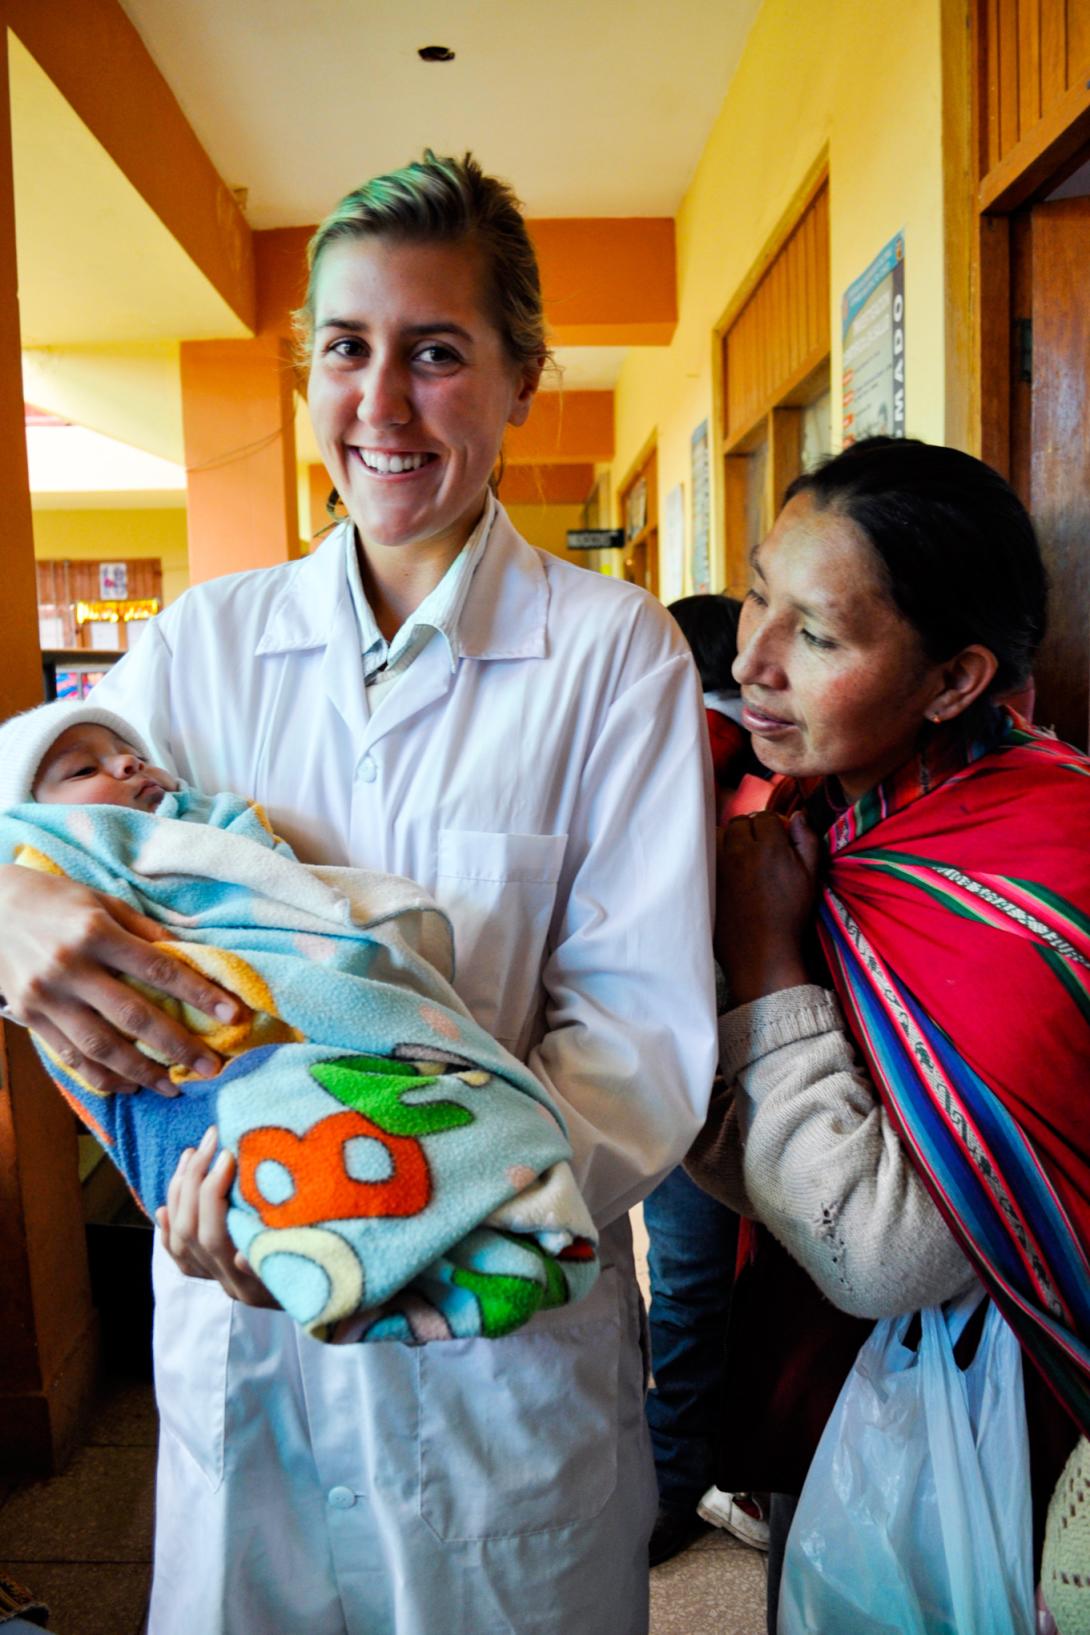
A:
[238,415]
[48,1338]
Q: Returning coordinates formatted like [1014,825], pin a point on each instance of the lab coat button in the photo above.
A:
[368,769]
[341,1498]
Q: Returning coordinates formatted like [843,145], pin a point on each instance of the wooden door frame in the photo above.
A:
[780,422]
[978,208]
[648,537]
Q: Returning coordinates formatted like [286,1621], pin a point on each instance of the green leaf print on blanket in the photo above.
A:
[374,1086]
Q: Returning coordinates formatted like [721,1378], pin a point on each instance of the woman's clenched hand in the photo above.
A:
[767,885]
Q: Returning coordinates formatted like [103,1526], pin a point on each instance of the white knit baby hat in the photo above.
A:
[26,739]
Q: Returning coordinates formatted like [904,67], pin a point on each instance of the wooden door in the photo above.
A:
[1051,444]
[640,519]
[641,561]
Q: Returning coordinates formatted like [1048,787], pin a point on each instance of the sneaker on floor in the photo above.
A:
[674,1531]
[742,1514]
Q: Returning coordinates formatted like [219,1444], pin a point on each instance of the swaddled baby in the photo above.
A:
[395,1166]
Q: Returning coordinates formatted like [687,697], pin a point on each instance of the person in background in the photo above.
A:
[710,626]
[937,845]
[427,695]
[693,1239]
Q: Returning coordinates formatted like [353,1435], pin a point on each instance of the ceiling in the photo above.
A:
[73,467]
[590,110]
[132,392]
[599,110]
[96,265]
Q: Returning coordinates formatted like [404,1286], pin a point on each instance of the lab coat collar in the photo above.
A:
[504,614]
[438,614]
[304,611]
[507,608]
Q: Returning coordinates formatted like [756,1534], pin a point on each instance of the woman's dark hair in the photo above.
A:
[958,551]
[710,626]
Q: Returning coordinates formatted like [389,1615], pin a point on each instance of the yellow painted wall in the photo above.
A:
[861,79]
[61,535]
[547,526]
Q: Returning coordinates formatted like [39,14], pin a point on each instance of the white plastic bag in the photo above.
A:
[915,1516]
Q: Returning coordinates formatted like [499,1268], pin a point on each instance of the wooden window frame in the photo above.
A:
[1016,124]
[643,548]
[986,180]
[779,419]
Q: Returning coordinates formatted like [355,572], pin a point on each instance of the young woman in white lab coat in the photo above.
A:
[429,695]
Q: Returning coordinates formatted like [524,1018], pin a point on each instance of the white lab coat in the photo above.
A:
[546,777]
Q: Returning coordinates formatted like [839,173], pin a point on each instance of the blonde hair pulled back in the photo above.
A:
[448,201]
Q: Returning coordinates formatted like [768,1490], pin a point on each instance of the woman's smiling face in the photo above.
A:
[410,388]
[835,681]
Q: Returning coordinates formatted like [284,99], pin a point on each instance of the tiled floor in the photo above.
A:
[716,1588]
[82,1541]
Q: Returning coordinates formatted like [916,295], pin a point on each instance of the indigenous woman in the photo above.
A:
[909,1107]
[427,695]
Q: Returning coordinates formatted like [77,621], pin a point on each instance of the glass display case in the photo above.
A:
[71,672]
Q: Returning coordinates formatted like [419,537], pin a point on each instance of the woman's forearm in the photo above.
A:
[715,1160]
[824,1168]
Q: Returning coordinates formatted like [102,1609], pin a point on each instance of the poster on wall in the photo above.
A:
[673,545]
[873,328]
[113,581]
[699,564]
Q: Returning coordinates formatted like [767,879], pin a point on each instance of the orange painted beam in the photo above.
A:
[97,60]
[606,281]
[280,267]
[242,507]
[563,426]
[546,485]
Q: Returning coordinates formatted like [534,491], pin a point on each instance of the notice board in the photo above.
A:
[873,330]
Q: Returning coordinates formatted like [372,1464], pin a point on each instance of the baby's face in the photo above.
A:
[89,765]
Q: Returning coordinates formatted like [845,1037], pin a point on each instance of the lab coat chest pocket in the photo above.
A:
[519,1435]
[499,890]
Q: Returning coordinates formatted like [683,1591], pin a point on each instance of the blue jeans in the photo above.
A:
[693,1240]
